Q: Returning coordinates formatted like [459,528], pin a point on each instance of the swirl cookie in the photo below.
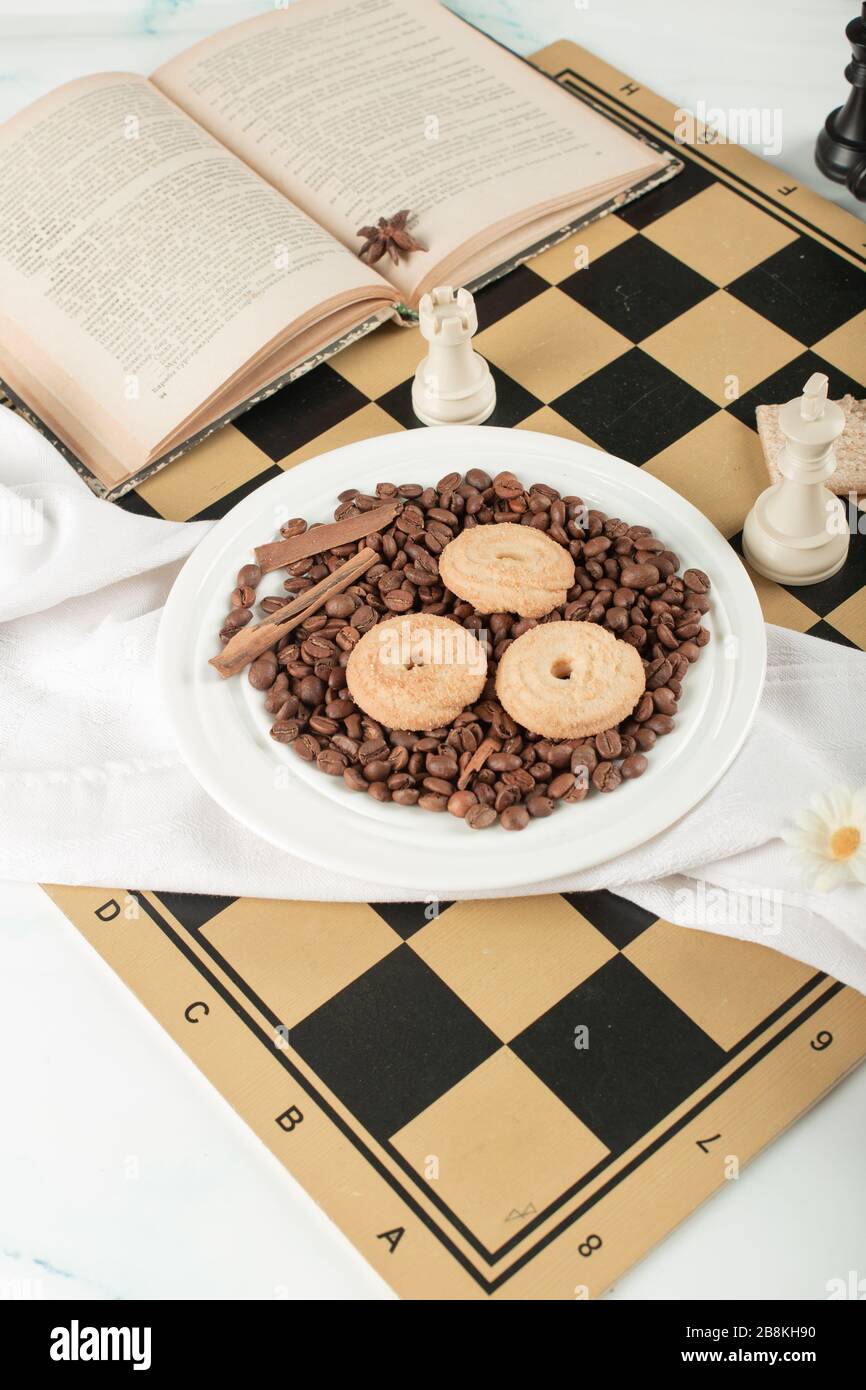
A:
[507,568]
[565,680]
[417,671]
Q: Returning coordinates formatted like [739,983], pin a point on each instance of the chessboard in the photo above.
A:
[518,1098]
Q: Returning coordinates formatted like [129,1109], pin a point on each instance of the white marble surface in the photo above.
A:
[122,1174]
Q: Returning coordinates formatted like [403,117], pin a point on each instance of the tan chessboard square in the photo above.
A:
[581,248]
[295,955]
[550,344]
[365,423]
[719,466]
[548,421]
[720,339]
[845,348]
[510,959]
[719,234]
[382,359]
[498,1147]
[725,986]
[850,618]
[213,468]
[779,606]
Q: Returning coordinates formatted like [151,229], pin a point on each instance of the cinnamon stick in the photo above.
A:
[477,761]
[276,554]
[256,638]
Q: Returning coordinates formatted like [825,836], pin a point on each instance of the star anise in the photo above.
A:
[388,235]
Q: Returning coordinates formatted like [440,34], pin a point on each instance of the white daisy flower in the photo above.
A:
[830,838]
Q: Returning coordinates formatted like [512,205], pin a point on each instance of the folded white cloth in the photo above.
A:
[93,791]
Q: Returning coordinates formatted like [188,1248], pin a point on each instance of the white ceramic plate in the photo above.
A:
[222,726]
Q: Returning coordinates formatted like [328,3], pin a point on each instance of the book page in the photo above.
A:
[358,108]
[141,264]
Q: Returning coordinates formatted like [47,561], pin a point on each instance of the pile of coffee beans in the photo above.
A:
[625,580]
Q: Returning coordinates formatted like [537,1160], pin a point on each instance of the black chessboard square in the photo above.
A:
[407,918]
[829,633]
[637,288]
[616,918]
[393,1041]
[644,1055]
[650,206]
[136,505]
[804,289]
[634,407]
[223,505]
[513,402]
[193,910]
[823,597]
[510,292]
[788,382]
[300,411]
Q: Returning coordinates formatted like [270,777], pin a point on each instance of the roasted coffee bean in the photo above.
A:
[690,651]
[354,779]
[639,576]
[540,806]
[340,606]
[285,730]
[578,791]
[340,709]
[263,672]
[520,778]
[664,700]
[331,761]
[438,785]
[306,747]
[399,600]
[236,619]
[585,757]
[561,784]
[379,791]
[441,765]
[606,777]
[660,724]
[658,673]
[480,817]
[635,765]
[503,762]
[506,486]
[431,801]
[311,690]
[608,744]
[696,581]
[378,770]
[459,803]
[645,738]
[505,797]
[405,796]
[249,577]
[514,818]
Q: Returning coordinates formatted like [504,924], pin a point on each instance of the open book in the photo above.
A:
[173,248]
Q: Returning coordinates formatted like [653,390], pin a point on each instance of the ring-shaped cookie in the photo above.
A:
[507,568]
[416,671]
[566,680]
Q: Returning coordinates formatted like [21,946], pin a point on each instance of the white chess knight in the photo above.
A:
[453,384]
[797,531]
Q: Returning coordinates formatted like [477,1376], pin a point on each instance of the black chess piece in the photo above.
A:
[840,151]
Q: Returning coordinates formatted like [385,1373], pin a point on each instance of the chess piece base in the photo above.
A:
[471,408]
[789,561]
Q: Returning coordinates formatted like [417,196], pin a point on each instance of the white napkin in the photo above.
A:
[93,791]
